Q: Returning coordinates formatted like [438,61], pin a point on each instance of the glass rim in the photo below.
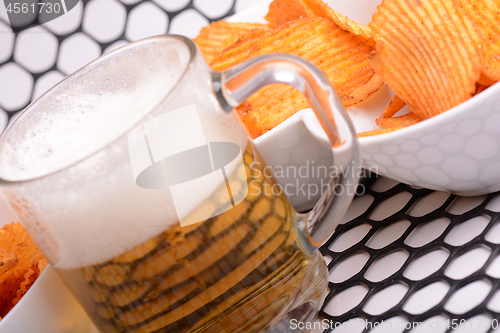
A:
[193,51]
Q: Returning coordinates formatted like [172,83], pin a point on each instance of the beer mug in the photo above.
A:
[140,185]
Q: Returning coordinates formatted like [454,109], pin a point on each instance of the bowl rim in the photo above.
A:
[437,120]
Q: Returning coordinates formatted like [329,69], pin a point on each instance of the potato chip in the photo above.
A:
[480,88]
[221,34]
[485,81]
[428,52]
[238,51]
[271,15]
[398,122]
[395,105]
[269,107]
[12,234]
[21,255]
[486,13]
[21,263]
[341,55]
[34,271]
[378,131]
[283,11]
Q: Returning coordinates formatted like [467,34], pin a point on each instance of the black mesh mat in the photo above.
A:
[414,253]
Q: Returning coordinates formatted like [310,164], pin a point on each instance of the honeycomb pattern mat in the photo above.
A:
[415,259]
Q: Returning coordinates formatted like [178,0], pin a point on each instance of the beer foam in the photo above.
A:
[74,187]
[92,108]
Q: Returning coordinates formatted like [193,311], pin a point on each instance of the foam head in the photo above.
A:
[66,163]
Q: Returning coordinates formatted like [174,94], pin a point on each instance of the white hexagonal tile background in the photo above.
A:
[15,86]
[36,49]
[7,41]
[115,45]
[66,23]
[242,4]
[41,56]
[45,82]
[188,23]
[130,2]
[146,20]
[4,120]
[104,20]
[207,8]
[76,51]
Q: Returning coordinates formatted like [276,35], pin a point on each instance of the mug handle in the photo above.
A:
[250,76]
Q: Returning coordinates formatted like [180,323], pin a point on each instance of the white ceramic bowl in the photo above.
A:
[456,151]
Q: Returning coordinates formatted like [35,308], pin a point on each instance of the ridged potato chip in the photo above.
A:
[221,34]
[35,269]
[341,55]
[269,107]
[271,15]
[429,52]
[395,105]
[11,235]
[486,81]
[283,11]
[238,51]
[486,13]
[388,123]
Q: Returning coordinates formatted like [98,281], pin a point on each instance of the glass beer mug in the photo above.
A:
[139,184]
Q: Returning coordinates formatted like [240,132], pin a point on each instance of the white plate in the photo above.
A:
[48,306]
[456,151]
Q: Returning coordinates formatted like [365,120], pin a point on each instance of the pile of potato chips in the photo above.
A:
[21,263]
[434,54]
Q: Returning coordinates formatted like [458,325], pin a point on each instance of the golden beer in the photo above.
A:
[213,276]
